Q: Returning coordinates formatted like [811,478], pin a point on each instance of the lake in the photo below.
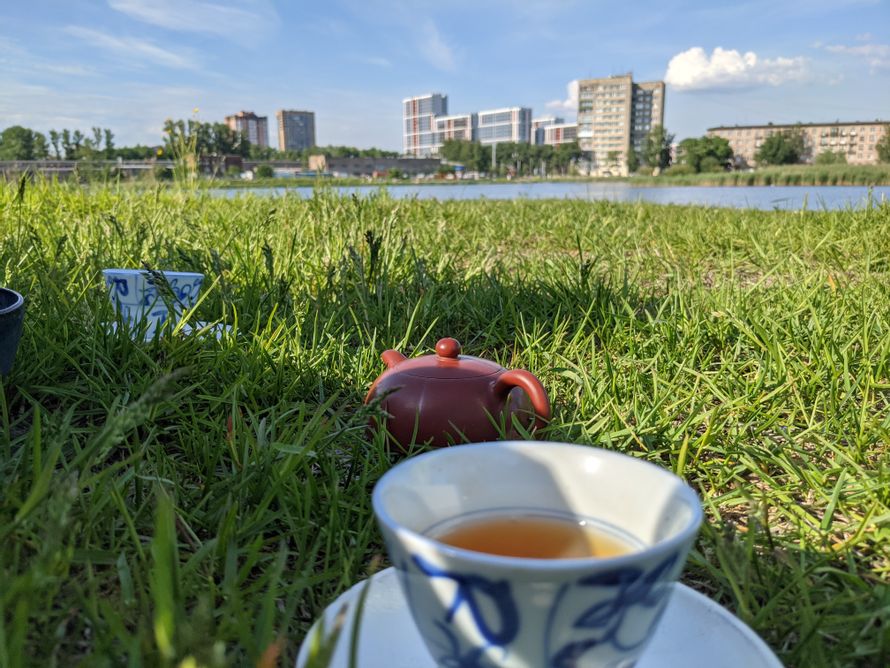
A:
[742,197]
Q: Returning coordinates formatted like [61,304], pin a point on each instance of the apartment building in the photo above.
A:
[459,127]
[427,125]
[296,129]
[419,136]
[255,128]
[856,139]
[614,116]
[510,124]
[538,125]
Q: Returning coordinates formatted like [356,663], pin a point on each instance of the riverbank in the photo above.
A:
[199,501]
[791,175]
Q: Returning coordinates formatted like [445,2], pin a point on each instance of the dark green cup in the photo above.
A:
[12,315]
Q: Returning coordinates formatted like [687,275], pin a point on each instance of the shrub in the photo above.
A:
[710,164]
[831,158]
[264,172]
[162,172]
[679,170]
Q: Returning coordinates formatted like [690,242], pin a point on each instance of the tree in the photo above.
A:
[831,158]
[781,148]
[633,162]
[77,141]
[711,164]
[693,151]
[54,140]
[41,148]
[565,156]
[657,149]
[883,146]
[109,144]
[17,143]
[472,155]
[67,146]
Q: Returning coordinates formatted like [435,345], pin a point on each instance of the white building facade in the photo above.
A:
[419,136]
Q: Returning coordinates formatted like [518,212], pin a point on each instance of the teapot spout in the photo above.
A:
[392,357]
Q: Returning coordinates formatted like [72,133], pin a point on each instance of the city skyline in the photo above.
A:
[130,64]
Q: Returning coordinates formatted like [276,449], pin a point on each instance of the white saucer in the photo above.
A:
[187,329]
[695,632]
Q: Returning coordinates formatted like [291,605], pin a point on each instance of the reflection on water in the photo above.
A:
[751,197]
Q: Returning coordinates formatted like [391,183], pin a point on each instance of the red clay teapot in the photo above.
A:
[451,398]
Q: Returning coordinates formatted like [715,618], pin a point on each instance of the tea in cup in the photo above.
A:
[526,554]
[141,298]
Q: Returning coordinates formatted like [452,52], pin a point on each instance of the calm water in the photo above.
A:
[753,197]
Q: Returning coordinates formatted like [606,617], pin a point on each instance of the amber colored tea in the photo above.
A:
[534,537]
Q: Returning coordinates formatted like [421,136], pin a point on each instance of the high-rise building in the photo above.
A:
[255,128]
[296,129]
[459,127]
[553,131]
[418,127]
[559,133]
[427,125]
[855,140]
[538,125]
[511,124]
[614,116]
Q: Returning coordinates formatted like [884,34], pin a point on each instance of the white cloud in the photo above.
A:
[134,49]
[434,48]
[693,69]
[876,55]
[571,101]
[245,23]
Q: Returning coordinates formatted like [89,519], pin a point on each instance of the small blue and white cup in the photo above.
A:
[140,301]
[484,610]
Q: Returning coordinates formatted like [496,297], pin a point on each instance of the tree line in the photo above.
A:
[21,143]
[514,158]
[203,139]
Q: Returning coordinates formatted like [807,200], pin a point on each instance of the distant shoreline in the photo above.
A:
[877,175]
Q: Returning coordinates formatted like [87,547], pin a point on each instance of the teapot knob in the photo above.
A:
[448,347]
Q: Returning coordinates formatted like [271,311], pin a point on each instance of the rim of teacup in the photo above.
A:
[18,300]
[587,564]
[145,272]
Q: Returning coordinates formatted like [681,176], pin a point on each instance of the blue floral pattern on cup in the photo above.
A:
[627,588]
[632,587]
[470,588]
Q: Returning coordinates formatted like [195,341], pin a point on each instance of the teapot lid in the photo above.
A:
[448,363]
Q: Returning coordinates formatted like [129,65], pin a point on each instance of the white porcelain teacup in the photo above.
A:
[480,609]
[139,299]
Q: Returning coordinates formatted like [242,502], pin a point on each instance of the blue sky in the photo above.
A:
[129,64]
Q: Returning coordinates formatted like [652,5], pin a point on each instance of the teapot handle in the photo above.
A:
[533,388]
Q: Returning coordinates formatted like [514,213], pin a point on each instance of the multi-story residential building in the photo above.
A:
[419,137]
[856,140]
[427,125]
[296,129]
[614,116]
[510,124]
[255,128]
[458,126]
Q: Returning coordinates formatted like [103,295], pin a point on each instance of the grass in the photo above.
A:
[787,175]
[190,501]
